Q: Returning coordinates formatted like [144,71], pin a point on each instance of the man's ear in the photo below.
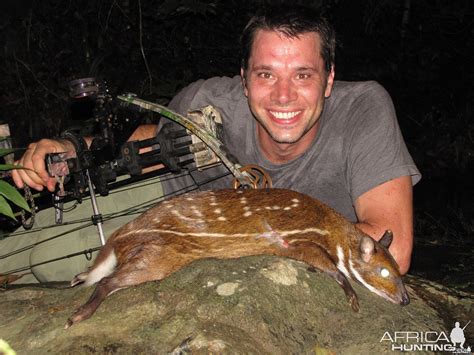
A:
[244,81]
[330,82]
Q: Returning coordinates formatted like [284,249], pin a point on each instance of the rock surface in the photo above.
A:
[253,305]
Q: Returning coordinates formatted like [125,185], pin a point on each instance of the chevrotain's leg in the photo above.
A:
[121,278]
[348,290]
[102,290]
[318,258]
[141,268]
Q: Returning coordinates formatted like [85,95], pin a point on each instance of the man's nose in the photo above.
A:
[283,92]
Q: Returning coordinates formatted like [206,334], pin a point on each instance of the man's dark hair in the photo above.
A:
[291,21]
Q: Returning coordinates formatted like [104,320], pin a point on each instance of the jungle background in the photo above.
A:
[420,51]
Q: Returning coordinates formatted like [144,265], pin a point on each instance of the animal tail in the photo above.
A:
[104,265]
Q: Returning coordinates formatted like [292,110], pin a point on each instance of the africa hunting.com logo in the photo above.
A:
[429,340]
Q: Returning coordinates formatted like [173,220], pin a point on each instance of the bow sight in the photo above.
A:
[110,154]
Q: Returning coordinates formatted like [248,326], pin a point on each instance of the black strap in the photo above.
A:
[79,142]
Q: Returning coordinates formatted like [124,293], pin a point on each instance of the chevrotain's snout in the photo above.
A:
[405,299]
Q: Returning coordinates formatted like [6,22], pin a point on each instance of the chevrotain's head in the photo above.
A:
[375,268]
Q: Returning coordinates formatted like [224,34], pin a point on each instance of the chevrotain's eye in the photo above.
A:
[384,272]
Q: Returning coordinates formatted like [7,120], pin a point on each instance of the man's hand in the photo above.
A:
[389,206]
[35,175]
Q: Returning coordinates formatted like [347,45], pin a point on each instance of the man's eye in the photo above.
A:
[265,75]
[303,76]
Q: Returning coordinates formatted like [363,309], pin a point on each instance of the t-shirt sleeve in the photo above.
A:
[181,103]
[216,91]
[377,151]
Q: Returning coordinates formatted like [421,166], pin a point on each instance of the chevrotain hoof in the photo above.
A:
[68,324]
[354,303]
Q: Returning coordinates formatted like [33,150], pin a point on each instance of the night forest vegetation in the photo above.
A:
[420,51]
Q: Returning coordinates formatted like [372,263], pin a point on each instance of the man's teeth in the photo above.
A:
[284,115]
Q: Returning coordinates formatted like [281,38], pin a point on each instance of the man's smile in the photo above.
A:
[286,116]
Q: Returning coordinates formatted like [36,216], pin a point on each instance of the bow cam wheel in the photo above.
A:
[259,178]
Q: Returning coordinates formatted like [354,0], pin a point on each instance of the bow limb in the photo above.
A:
[212,142]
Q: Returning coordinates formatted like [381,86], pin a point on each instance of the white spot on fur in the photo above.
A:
[287,208]
[180,216]
[295,200]
[268,208]
[213,203]
[248,213]
[240,192]
[221,218]
[294,205]
[189,199]
[217,211]
[246,208]
[227,289]
[275,207]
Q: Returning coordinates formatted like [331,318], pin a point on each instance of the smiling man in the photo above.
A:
[286,83]
[336,141]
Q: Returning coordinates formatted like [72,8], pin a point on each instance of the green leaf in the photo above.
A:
[6,151]
[10,167]
[9,192]
[5,208]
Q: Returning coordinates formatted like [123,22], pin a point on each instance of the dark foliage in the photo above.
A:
[421,51]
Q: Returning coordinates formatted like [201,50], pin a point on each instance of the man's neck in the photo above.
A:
[280,153]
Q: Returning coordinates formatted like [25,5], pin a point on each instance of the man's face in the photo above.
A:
[286,84]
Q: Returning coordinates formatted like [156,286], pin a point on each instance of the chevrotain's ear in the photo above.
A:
[367,248]
[387,238]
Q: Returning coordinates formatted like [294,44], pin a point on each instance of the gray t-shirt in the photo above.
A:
[358,146]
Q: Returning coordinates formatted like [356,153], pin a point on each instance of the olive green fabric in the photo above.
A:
[118,202]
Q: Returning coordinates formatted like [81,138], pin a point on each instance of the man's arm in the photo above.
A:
[389,206]
[144,132]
